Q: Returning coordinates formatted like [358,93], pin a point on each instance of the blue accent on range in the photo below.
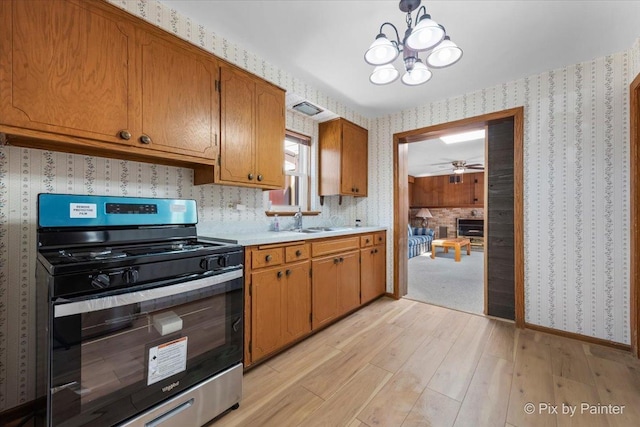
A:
[71,210]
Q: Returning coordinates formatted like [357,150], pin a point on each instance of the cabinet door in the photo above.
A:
[66,69]
[178,101]
[266,311]
[237,99]
[270,133]
[324,288]
[348,281]
[297,300]
[367,275]
[354,160]
[380,267]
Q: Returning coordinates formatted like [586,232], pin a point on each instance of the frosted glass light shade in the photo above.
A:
[381,51]
[384,74]
[425,35]
[418,75]
[445,54]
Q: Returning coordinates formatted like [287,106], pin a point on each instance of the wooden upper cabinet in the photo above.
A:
[178,101]
[237,100]
[66,69]
[252,132]
[343,159]
[270,134]
[87,77]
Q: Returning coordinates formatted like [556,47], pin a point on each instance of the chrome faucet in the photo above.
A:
[297,220]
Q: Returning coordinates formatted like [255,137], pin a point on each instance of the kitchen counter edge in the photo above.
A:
[271,237]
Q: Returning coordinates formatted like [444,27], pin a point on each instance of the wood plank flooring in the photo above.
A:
[409,364]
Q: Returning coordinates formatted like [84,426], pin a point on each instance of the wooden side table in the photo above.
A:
[456,243]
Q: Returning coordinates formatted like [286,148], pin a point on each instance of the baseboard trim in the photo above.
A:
[579,337]
[17,413]
[391,295]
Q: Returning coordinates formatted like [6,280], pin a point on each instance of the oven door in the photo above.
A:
[115,356]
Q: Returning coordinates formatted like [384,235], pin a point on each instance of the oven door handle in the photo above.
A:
[103,303]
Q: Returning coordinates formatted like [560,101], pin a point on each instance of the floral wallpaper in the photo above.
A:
[576,191]
[576,196]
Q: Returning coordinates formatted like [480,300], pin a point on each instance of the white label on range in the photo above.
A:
[176,208]
[83,210]
[167,359]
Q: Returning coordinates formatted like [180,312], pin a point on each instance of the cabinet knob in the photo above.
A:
[379,239]
[125,134]
[260,177]
[145,139]
[353,189]
[288,272]
[250,176]
[367,240]
[298,252]
[375,251]
[336,260]
[357,190]
[341,259]
[279,274]
[267,258]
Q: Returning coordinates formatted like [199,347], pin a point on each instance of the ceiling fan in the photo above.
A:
[459,166]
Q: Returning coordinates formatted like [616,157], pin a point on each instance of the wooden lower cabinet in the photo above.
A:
[372,273]
[280,307]
[296,288]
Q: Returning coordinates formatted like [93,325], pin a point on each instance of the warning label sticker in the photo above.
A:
[83,210]
[167,359]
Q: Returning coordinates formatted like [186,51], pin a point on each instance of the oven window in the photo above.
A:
[133,356]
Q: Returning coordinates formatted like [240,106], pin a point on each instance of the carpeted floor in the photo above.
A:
[442,281]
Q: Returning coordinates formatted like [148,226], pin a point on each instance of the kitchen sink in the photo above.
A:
[321,229]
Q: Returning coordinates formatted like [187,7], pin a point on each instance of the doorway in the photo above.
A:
[447,201]
[401,206]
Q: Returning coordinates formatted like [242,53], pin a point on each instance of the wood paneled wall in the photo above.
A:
[438,191]
[499,223]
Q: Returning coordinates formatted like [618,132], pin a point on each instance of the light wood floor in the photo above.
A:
[405,363]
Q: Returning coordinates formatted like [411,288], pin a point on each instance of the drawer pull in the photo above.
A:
[379,239]
[267,258]
[125,134]
[298,252]
[288,273]
[279,274]
[367,240]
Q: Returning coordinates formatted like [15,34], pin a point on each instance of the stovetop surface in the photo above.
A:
[88,258]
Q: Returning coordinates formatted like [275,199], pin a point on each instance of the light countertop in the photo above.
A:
[270,237]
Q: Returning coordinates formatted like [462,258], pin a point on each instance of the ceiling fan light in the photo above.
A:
[426,34]
[418,75]
[384,74]
[445,54]
[459,170]
[381,51]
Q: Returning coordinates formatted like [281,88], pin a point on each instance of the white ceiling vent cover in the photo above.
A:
[307,108]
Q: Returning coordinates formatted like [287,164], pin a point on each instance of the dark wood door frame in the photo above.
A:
[401,205]
[634,112]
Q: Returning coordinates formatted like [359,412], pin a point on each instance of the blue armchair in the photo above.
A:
[419,240]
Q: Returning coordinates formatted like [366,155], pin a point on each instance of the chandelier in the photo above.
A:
[427,35]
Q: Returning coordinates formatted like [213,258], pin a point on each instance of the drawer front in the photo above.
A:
[366,240]
[335,245]
[380,238]
[296,253]
[266,257]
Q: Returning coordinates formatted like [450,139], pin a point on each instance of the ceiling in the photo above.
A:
[434,157]
[323,41]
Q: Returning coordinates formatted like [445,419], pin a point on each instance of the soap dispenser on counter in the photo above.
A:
[276,223]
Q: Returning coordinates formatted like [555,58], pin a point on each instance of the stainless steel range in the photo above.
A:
[139,321]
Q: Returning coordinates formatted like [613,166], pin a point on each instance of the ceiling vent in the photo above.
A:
[307,108]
